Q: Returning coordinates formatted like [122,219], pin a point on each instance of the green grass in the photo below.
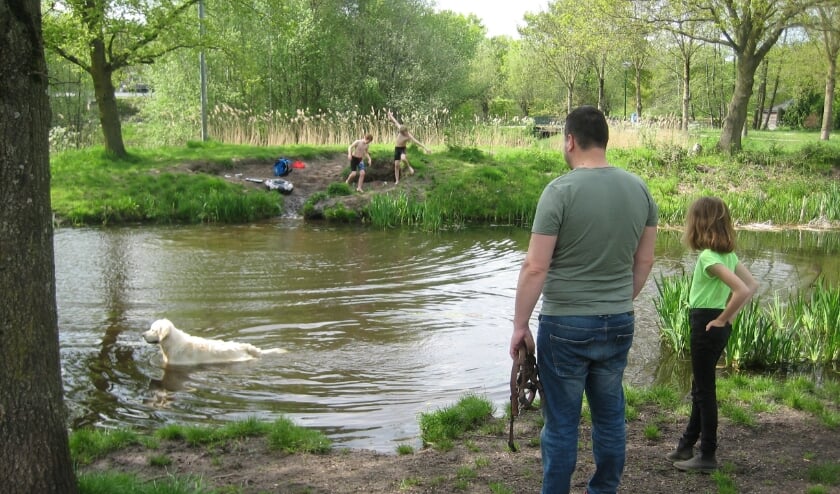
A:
[110,483]
[824,473]
[742,398]
[405,449]
[723,479]
[652,432]
[160,461]
[441,427]
[409,483]
[90,187]
[500,488]
[87,444]
[286,436]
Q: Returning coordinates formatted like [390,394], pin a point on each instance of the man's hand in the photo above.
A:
[521,336]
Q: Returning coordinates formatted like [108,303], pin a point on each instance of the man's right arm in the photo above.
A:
[529,286]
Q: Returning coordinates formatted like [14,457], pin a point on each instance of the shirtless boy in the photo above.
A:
[356,153]
[403,138]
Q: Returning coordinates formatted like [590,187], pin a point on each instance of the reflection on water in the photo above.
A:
[380,325]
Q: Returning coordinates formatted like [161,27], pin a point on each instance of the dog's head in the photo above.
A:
[159,331]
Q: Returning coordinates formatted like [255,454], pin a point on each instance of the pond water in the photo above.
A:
[380,326]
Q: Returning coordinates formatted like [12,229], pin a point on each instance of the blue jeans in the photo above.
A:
[577,355]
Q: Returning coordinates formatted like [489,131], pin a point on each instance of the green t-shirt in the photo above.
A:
[707,291]
[598,216]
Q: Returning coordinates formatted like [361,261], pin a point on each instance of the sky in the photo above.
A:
[500,17]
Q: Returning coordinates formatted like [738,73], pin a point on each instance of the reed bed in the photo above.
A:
[391,210]
[434,128]
[328,127]
[804,328]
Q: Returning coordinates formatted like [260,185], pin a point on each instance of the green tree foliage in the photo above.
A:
[750,28]
[272,59]
[551,35]
[105,36]
[284,56]
[806,111]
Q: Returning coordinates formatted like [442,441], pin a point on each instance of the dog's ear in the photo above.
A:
[164,330]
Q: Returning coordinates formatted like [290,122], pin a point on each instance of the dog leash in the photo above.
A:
[524,386]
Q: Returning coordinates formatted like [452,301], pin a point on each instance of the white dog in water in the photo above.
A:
[179,348]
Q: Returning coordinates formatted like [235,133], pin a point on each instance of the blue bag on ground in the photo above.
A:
[282,167]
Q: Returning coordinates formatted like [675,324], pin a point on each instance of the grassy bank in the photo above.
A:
[162,185]
[468,425]
[784,185]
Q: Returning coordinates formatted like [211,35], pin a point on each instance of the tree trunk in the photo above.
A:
[772,101]
[828,106]
[106,101]
[602,95]
[686,98]
[761,97]
[638,93]
[736,116]
[34,452]
[570,89]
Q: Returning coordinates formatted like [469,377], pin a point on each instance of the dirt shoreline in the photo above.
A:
[773,457]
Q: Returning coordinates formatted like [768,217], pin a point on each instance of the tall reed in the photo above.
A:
[803,329]
[433,128]
[672,307]
[390,210]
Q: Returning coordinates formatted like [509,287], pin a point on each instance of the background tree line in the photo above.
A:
[715,62]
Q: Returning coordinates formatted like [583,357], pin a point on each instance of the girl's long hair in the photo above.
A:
[708,225]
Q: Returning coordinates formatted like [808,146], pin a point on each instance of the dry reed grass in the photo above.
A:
[435,128]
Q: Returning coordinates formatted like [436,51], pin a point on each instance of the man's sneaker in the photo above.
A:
[700,463]
[680,454]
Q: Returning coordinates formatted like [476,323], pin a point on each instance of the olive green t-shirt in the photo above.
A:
[707,291]
[598,216]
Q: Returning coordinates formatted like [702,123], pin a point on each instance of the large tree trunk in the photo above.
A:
[828,106]
[106,101]
[736,117]
[34,453]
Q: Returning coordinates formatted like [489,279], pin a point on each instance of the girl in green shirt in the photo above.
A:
[720,287]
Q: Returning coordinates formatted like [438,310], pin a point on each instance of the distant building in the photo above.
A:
[776,114]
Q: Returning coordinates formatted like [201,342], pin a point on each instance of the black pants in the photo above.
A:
[706,349]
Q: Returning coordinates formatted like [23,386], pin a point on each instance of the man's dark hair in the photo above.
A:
[589,126]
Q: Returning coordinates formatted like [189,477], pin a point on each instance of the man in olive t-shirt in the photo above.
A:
[590,254]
